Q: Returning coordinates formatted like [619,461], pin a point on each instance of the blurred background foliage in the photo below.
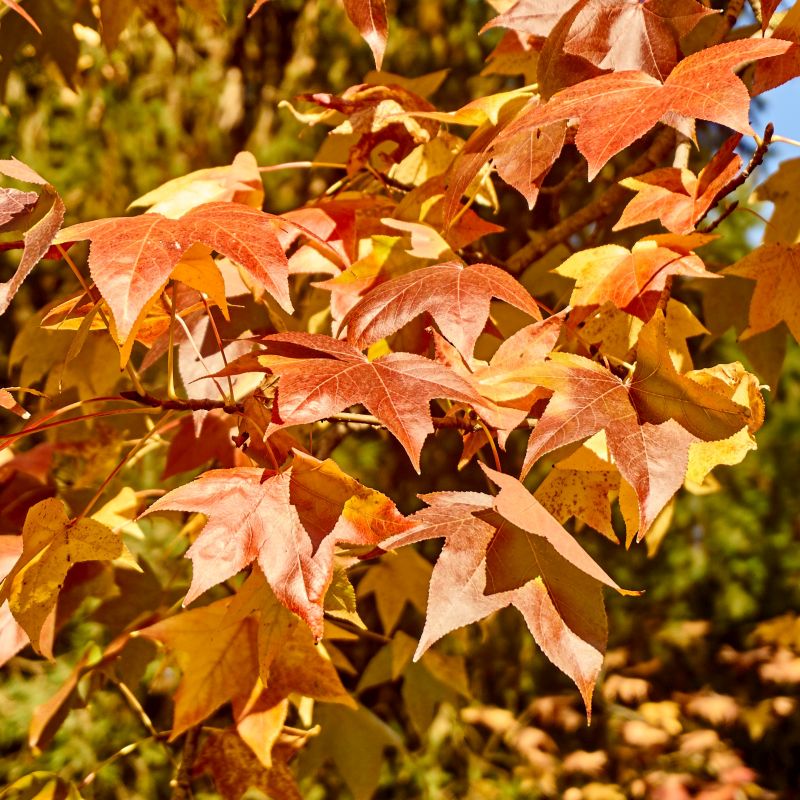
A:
[700,693]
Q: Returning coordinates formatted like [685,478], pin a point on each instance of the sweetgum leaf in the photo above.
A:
[614,110]
[131,258]
[289,524]
[321,376]
[38,237]
[588,398]
[614,273]
[456,296]
[489,562]
[776,270]
[223,648]
[51,544]
[369,16]
[678,197]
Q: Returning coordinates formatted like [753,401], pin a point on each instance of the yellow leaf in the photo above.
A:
[51,544]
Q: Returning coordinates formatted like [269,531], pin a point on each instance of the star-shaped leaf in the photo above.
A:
[288,524]
[614,110]
[225,647]
[456,296]
[131,258]
[51,544]
[321,376]
[776,299]
[614,273]
[678,197]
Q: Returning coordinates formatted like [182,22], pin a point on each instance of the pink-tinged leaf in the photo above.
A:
[321,376]
[456,296]
[369,16]
[678,197]
[131,258]
[12,636]
[533,17]
[614,110]
[8,402]
[13,204]
[488,563]
[37,238]
[516,504]
[288,524]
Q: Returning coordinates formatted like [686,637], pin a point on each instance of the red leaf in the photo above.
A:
[622,35]
[131,258]
[615,110]
[289,524]
[678,197]
[14,203]
[457,297]
[523,155]
[534,17]
[369,16]
[320,376]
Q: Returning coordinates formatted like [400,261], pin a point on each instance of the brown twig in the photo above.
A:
[147,399]
[735,183]
[597,209]
[182,783]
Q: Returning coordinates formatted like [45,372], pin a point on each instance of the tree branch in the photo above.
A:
[599,208]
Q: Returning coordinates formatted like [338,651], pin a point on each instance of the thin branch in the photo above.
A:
[595,210]
[735,183]
[178,404]
[182,784]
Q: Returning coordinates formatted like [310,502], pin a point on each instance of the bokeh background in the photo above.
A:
[702,674]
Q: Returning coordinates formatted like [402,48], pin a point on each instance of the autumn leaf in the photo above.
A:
[369,16]
[776,270]
[8,402]
[51,544]
[456,296]
[320,376]
[12,636]
[489,562]
[225,647]
[776,71]
[614,273]
[289,524]
[614,110]
[523,155]
[239,182]
[620,36]
[39,232]
[661,393]
[678,197]
[396,580]
[131,258]
[235,769]
[354,739]
[780,189]
[588,398]
[534,17]
[14,6]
